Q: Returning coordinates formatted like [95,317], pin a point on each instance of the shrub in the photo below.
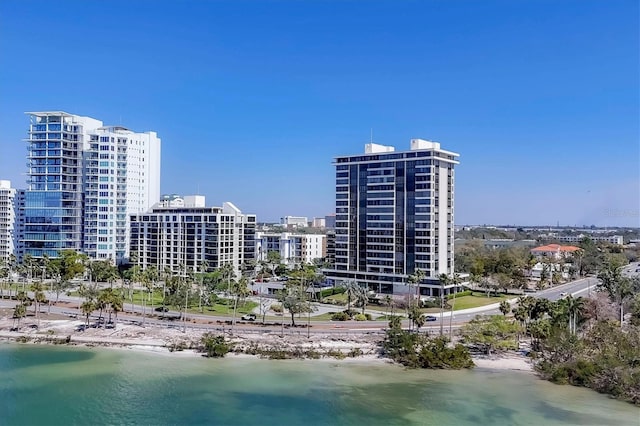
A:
[459,294]
[350,312]
[355,352]
[419,351]
[336,353]
[331,291]
[276,307]
[340,316]
[360,317]
[214,346]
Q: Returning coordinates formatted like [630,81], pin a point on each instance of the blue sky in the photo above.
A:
[253,100]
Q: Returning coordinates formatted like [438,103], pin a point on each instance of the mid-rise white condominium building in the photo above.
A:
[394,215]
[293,248]
[184,239]
[85,179]
[7,220]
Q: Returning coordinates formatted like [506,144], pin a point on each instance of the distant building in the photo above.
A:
[186,237]
[499,243]
[330,221]
[293,248]
[554,251]
[318,222]
[7,220]
[330,258]
[611,239]
[294,222]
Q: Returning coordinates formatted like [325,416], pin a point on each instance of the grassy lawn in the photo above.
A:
[222,310]
[474,301]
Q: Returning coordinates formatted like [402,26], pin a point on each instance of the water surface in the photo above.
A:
[50,385]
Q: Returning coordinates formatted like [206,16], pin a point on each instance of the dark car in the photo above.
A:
[430,318]
[161,309]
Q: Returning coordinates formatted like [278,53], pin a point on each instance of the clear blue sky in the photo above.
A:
[253,100]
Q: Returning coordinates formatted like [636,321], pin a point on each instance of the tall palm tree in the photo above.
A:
[38,298]
[575,307]
[351,289]
[444,281]
[202,268]
[240,290]
[414,280]
[456,281]
[87,308]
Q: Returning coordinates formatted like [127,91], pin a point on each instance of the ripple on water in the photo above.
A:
[91,386]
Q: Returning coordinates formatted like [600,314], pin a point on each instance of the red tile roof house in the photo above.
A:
[555,251]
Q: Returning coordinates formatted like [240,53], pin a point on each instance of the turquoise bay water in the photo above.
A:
[47,385]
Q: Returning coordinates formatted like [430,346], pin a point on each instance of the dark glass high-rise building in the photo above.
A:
[394,215]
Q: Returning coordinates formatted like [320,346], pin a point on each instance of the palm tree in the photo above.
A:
[151,276]
[203,268]
[240,290]
[362,298]
[38,297]
[414,280]
[87,308]
[456,281]
[117,305]
[19,312]
[574,307]
[444,281]
[351,289]
[618,287]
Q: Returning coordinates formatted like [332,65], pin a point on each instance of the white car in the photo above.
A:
[563,294]
[249,317]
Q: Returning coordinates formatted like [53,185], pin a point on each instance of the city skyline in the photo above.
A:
[540,99]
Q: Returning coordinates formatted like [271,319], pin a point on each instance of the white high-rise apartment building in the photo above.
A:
[85,179]
[394,215]
[7,220]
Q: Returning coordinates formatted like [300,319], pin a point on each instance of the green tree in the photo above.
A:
[414,280]
[505,307]
[87,309]
[240,290]
[618,287]
[352,289]
[19,312]
[491,333]
[295,301]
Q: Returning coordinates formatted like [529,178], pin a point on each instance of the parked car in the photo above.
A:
[161,309]
[430,318]
[249,317]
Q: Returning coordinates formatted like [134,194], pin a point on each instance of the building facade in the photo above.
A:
[84,180]
[183,238]
[293,248]
[7,220]
[394,215]
[294,222]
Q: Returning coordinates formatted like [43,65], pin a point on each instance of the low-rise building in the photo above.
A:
[554,251]
[294,222]
[318,222]
[293,248]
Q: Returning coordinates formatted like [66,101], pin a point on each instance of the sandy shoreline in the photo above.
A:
[347,347]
